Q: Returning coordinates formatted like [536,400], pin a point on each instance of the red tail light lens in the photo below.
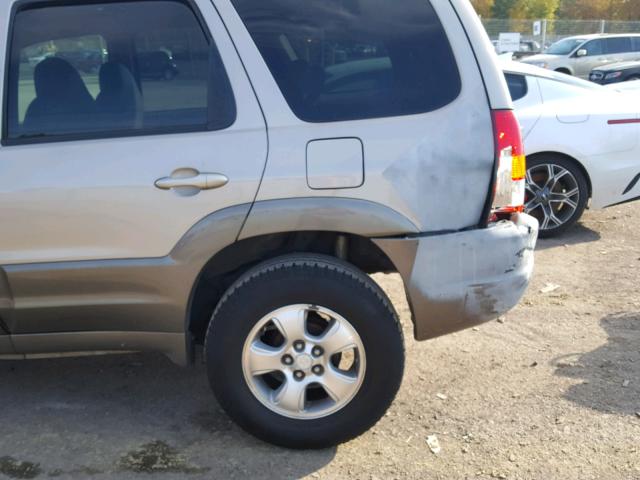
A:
[511,173]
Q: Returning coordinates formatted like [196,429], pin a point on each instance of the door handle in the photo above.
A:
[202,181]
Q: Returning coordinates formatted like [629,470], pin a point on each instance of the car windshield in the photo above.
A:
[564,47]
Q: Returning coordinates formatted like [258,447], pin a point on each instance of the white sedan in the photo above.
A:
[582,143]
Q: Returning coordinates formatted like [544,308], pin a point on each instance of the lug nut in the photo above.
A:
[298,374]
[287,359]
[298,345]
[317,351]
[317,369]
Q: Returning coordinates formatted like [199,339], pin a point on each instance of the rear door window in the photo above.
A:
[340,60]
[113,68]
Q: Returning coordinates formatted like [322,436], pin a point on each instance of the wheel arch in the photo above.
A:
[228,264]
[221,246]
[566,70]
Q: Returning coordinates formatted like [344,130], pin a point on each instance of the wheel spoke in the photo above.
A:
[337,385]
[545,221]
[531,205]
[530,179]
[562,200]
[551,216]
[264,359]
[556,178]
[292,323]
[531,186]
[550,175]
[572,193]
[337,339]
[291,395]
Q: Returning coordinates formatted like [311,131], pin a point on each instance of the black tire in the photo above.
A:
[317,280]
[536,168]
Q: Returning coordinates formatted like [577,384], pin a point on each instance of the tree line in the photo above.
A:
[561,9]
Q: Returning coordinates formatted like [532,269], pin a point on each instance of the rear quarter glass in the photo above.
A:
[337,60]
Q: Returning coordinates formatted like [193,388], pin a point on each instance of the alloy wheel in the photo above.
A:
[552,195]
[304,361]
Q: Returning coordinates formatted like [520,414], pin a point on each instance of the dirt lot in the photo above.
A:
[552,391]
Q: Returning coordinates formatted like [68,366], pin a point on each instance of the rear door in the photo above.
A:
[100,161]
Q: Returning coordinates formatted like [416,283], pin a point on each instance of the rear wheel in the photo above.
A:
[556,194]
[305,352]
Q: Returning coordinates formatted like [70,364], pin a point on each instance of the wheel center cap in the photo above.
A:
[543,196]
[304,362]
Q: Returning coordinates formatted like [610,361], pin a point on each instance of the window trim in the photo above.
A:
[22,5]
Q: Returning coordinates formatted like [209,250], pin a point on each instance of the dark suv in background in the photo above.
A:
[616,73]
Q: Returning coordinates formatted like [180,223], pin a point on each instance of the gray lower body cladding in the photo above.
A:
[135,304]
[453,281]
[458,280]
[143,304]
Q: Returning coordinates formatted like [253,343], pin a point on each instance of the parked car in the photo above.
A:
[528,48]
[182,222]
[616,73]
[581,54]
[581,141]
[158,64]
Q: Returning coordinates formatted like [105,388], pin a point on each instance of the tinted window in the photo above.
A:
[618,45]
[635,41]
[114,68]
[517,86]
[353,59]
[594,47]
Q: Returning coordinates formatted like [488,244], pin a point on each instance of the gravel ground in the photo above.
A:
[551,391]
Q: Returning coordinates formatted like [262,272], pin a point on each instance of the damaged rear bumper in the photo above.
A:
[458,280]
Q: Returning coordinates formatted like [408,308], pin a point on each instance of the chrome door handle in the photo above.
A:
[202,181]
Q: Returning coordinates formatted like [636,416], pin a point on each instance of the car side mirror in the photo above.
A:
[582,52]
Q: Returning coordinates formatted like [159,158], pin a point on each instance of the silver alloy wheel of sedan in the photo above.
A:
[304,361]
[552,196]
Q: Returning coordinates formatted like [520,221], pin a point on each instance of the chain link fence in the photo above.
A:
[542,33]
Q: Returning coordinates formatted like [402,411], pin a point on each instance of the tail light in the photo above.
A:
[511,172]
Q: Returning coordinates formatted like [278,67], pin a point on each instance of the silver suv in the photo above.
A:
[239,203]
[580,55]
